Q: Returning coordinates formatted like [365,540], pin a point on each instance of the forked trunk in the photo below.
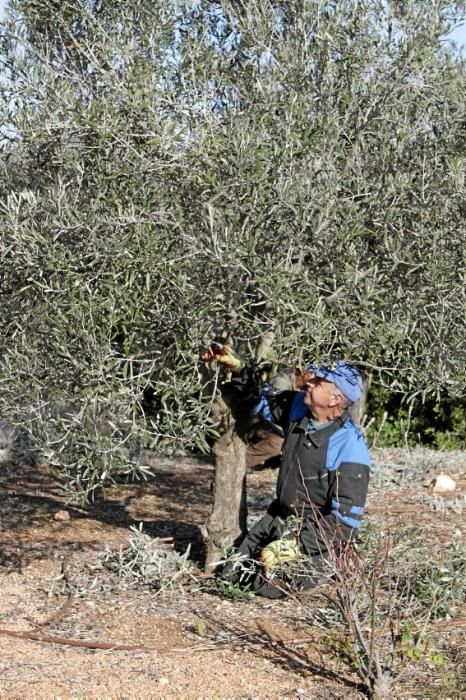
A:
[229,512]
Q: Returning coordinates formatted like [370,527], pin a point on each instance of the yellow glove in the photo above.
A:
[278,551]
[223,354]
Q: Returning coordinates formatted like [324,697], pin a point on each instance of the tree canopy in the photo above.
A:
[170,169]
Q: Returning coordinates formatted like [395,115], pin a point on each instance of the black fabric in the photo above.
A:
[245,388]
[304,482]
[280,403]
[278,587]
[319,533]
[270,527]
[350,488]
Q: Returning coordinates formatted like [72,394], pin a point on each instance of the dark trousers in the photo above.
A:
[266,446]
[269,528]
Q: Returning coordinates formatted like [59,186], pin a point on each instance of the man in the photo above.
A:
[322,482]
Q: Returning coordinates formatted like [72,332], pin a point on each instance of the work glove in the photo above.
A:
[225,355]
[278,551]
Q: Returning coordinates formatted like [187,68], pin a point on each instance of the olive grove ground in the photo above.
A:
[197,643]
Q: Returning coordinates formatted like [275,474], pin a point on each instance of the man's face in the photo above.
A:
[320,396]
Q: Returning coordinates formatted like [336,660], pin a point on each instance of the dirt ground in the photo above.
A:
[192,643]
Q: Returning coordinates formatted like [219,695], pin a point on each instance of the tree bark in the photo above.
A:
[358,409]
[229,511]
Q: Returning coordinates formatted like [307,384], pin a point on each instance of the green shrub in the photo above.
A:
[438,423]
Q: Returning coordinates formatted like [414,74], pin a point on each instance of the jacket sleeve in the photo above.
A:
[258,398]
[275,406]
[349,493]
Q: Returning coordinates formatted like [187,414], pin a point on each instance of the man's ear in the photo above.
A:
[336,400]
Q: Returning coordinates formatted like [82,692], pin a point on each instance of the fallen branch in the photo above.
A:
[50,639]
[162,543]
[88,644]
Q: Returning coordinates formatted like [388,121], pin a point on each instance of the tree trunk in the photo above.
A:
[229,511]
[358,409]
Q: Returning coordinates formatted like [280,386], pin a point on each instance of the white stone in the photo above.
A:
[442,483]
[62,516]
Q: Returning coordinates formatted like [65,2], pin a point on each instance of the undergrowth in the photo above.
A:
[149,562]
[378,610]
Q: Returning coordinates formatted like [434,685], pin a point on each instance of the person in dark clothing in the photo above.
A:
[322,482]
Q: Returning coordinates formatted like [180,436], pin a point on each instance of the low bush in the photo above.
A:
[150,562]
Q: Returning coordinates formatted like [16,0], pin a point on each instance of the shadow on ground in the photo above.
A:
[267,642]
[38,520]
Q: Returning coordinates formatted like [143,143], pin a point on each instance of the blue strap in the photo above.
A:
[347,520]
[263,408]
[355,510]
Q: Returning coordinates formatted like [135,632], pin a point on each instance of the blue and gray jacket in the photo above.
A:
[324,473]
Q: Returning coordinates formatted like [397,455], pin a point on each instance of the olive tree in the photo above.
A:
[171,171]
[339,172]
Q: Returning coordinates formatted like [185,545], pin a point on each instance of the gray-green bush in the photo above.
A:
[151,563]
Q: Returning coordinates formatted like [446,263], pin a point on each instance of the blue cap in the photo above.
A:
[347,378]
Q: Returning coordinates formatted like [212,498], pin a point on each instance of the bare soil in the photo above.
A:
[192,643]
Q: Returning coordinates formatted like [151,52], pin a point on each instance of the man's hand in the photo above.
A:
[223,354]
[278,551]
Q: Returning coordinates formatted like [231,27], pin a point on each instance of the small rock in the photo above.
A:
[302,695]
[62,516]
[442,484]
[163,681]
